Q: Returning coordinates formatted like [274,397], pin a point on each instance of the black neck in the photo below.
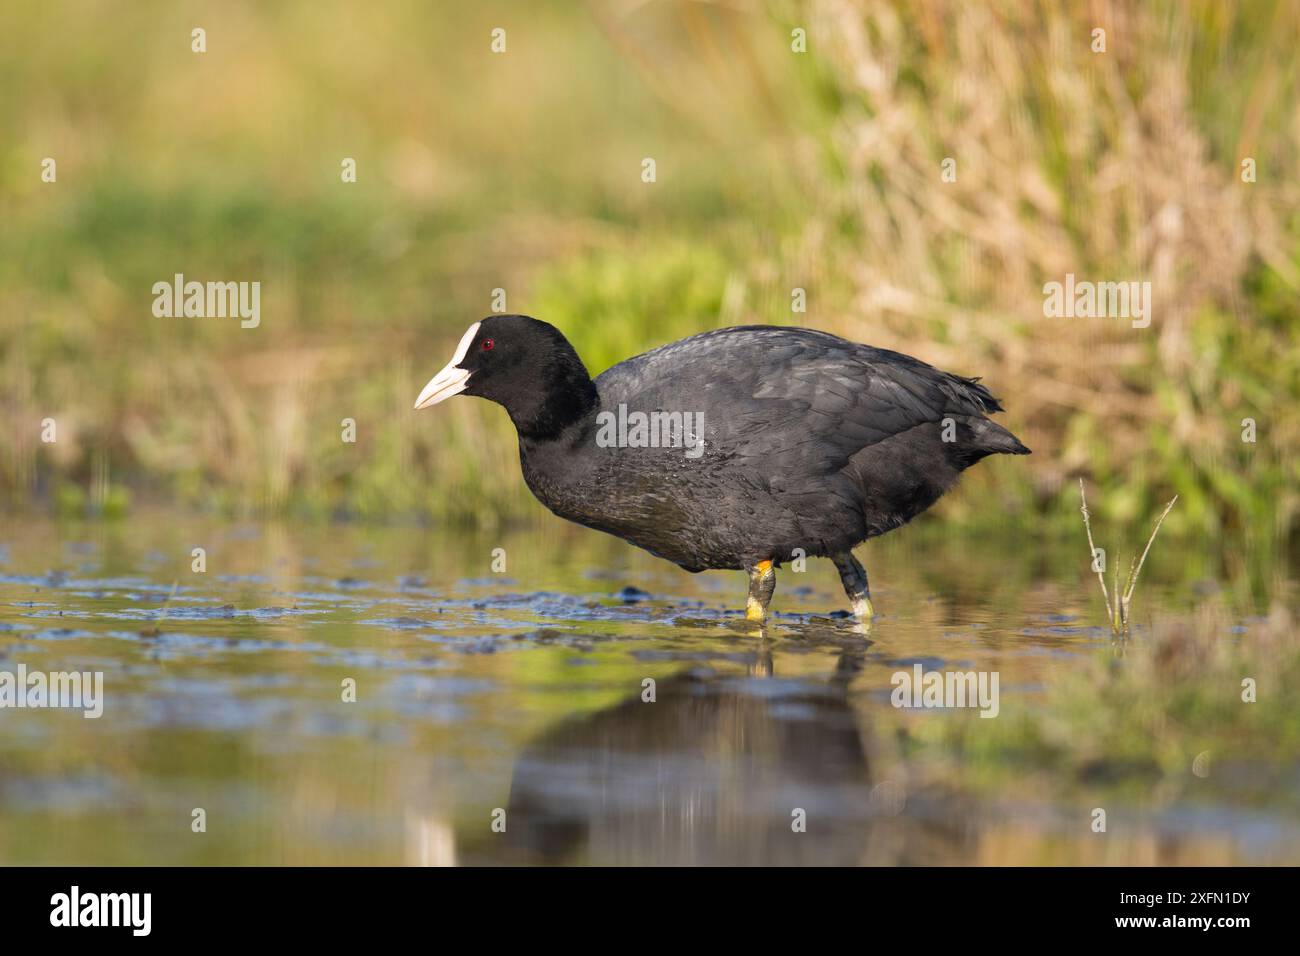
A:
[568,397]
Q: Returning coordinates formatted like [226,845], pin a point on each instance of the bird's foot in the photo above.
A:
[862,608]
[762,585]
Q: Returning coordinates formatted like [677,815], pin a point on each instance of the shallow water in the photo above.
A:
[516,698]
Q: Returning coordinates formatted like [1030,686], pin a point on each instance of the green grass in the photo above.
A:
[521,172]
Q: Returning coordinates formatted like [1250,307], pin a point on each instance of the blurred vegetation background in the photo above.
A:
[776,170]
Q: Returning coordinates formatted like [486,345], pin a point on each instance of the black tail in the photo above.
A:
[993,439]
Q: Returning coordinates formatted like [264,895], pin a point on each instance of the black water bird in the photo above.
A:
[739,448]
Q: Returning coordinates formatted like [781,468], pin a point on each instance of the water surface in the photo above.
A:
[518,699]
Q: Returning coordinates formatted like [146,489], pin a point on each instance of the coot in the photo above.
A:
[738,448]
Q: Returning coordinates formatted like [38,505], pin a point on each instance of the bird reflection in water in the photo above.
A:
[716,770]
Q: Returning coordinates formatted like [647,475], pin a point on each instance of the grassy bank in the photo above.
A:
[523,171]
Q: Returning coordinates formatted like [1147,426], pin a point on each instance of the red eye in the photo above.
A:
[488,345]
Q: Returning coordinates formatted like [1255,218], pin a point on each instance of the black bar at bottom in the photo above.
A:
[337,905]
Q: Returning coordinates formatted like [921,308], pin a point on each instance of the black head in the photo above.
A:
[526,366]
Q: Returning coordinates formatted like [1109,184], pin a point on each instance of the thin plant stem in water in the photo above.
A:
[1118,612]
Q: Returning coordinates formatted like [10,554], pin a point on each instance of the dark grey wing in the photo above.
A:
[792,402]
[785,410]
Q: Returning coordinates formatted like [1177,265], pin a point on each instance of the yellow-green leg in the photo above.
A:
[762,585]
